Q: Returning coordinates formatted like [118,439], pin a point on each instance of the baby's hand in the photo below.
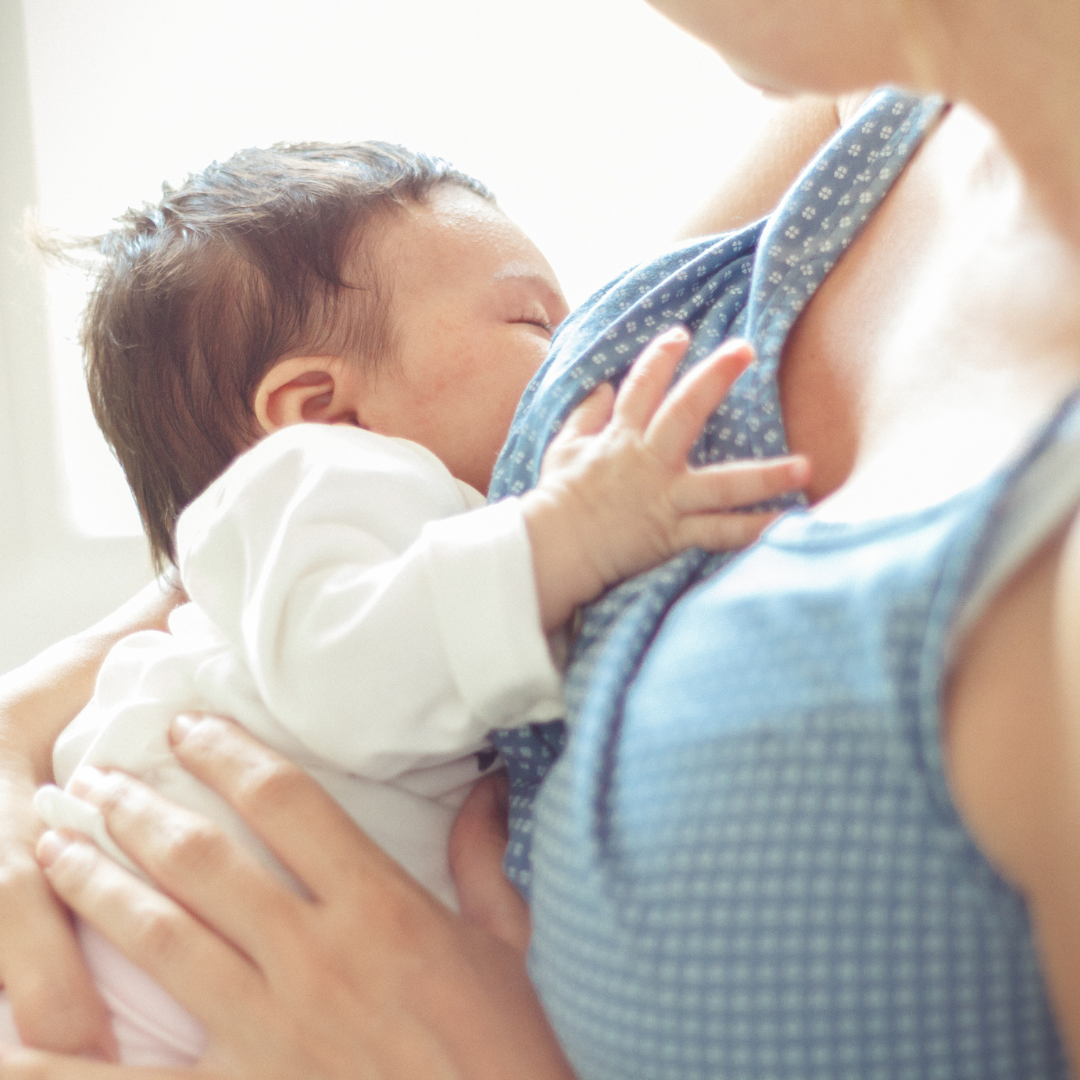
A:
[616,495]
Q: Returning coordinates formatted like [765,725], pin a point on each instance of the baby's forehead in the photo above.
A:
[455,236]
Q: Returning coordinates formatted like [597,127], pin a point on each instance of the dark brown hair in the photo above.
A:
[197,297]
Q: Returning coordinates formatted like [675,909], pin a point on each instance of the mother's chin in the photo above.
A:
[789,47]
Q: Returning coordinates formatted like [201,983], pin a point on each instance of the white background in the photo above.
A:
[599,126]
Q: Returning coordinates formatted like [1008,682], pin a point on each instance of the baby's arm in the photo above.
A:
[382,626]
[616,496]
[386,629]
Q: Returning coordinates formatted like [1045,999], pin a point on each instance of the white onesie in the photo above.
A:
[347,612]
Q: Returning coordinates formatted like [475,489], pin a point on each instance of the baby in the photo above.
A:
[314,352]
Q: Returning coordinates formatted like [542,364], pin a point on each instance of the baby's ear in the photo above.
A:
[306,389]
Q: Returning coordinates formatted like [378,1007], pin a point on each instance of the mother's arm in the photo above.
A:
[758,178]
[1012,743]
[53,999]
[368,977]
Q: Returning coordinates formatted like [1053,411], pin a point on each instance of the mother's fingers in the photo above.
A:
[152,930]
[477,845]
[36,1065]
[196,863]
[53,998]
[283,805]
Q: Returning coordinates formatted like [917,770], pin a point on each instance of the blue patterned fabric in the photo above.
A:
[746,860]
[751,865]
[760,277]
[528,753]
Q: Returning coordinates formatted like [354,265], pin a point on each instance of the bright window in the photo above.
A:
[598,125]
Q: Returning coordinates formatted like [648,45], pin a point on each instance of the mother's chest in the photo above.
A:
[946,331]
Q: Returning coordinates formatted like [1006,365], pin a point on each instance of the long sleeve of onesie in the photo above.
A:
[382,626]
[349,613]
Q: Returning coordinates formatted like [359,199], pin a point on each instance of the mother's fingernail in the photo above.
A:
[50,847]
[675,333]
[85,781]
[180,727]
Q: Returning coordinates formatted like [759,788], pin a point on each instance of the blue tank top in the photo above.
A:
[746,861]
[759,278]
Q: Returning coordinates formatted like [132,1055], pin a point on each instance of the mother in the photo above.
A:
[819,832]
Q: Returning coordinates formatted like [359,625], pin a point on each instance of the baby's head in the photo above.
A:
[333,283]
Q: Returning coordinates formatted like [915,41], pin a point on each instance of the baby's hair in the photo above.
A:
[197,297]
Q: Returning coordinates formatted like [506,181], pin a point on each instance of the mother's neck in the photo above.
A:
[1016,61]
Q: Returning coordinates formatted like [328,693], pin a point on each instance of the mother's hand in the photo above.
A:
[52,995]
[477,846]
[368,977]
[53,999]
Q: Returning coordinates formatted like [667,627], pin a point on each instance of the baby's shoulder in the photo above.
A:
[314,447]
[325,473]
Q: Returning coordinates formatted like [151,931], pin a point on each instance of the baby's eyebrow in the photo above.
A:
[519,271]
[526,275]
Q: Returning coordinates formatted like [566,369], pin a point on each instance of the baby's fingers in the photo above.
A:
[648,380]
[679,420]
[738,483]
[721,532]
[592,415]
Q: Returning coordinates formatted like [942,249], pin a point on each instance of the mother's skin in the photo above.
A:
[946,333]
